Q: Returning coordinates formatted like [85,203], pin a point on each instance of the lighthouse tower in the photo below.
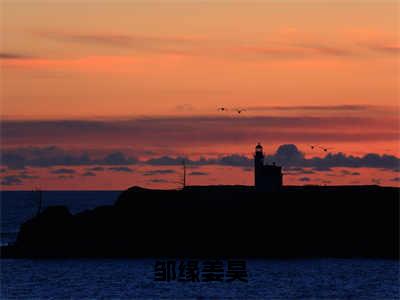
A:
[258,165]
[266,177]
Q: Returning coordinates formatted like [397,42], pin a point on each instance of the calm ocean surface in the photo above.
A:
[287,279]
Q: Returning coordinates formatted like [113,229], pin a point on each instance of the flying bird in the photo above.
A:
[313,146]
[239,111]
[222,108]
[325,149]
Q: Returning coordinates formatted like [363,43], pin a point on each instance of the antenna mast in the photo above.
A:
[184,173]
[39,200]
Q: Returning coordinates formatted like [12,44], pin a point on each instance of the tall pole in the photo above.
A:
[40,200]
[184,173]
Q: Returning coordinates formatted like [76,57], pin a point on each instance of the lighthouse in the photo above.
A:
[267,178]
[258,164]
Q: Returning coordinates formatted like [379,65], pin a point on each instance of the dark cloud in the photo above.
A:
[198,173]
[17,179]
[104,39]
[158,172]
[294,51]
[11,180]
[326,50]
[95,169]
[25,175]
[322,169]
[305,179]
[293,169]
[168,161]
[13,160]
[229,160]
[9,55]
[121,169]
[157,180]
[233,160]
[3,170]
[307,172]
[313,108]
[297,171]
[19,158]
[118,158]
[396,179]
[346,172]
[88,174]
[385,48]
[66,176]
[287,155]
[200,130]
[293,157]
[158,44]
[63,171]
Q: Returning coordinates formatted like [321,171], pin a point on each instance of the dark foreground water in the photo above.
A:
[284,279]
[329,279]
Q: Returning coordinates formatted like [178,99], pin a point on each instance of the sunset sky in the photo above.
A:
[109,94]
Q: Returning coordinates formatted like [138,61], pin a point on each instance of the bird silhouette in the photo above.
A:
[239,111]
[222,108]
[313,146]
[325,149]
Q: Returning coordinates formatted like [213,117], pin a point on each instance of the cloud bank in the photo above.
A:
[20,158]
[201,130]
[287,155]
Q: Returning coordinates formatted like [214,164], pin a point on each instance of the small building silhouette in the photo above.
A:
[266,177]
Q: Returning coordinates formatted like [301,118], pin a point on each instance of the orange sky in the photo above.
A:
[113,58]
[118,60]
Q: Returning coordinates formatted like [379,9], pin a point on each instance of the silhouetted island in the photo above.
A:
[221,221]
